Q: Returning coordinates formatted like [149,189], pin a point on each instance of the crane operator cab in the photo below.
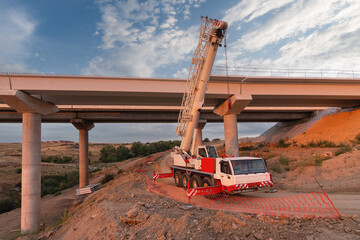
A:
[206,152]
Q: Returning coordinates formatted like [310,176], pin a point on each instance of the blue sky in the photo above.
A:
[157,39]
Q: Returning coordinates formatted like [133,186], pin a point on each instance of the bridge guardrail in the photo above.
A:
[285,72]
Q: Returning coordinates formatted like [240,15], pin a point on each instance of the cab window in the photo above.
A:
[202,152]
[225,167]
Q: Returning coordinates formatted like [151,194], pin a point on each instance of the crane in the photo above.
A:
[202,167]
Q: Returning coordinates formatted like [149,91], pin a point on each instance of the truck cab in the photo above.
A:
[242,173]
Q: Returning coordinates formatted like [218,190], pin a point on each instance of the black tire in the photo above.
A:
[177,178]
[195,181]
[206,182]
[184,180]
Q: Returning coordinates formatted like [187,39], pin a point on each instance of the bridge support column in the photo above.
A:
[31,173]
[231,135]
[31,108]
[197,138]
[83,127]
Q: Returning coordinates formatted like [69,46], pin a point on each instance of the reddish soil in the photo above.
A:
[341,127]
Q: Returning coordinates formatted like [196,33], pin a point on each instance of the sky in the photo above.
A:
[157,39]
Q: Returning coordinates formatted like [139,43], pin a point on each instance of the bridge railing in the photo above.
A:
[285,72]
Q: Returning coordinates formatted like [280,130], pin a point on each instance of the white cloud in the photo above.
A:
[16,33]
[250,10]
[298,34]
[137,39]
[182,73]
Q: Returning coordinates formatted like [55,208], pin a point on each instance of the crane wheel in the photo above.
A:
[184,180]
[206,182]
[195,182]
[177,177]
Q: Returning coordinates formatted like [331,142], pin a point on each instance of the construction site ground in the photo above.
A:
[124,208]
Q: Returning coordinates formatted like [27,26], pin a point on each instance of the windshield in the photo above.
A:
[248,166]
[211,151]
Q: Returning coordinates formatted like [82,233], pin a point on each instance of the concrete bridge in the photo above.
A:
[83,100]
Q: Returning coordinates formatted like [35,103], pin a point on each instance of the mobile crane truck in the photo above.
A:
[201,169]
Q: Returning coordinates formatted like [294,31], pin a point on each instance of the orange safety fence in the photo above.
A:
[304,205]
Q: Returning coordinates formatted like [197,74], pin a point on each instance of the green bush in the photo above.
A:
[56,159]
[206,140]
[283,144]
[357,139]
[343,149]
[54,183]
[276,168]
[7,205]
[284,160]
[108,154]
[107,178]
[247,148]
[18,170]
[216,140]
[111,154]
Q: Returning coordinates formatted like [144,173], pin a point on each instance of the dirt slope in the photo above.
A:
[341,127]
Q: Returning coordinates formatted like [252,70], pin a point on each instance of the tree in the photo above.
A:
[206,140]
[123,153]
[108,154]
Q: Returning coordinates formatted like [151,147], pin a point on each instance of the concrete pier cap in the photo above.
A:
[228,110]
[83,126]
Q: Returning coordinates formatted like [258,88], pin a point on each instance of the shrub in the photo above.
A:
[206,140]
[18,170]
[247,148]
[343,149]
[107,178]
[357,139]
[54,183]
[283,144]
[108,154]
[216,140]
[56,159]
[123,153]
[284,160]
[7,205]
[276,168]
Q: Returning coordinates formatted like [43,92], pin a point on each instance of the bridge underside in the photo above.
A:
[158,116]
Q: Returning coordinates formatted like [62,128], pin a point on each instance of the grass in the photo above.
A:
[319,159]
[319,143]
[343,149]
[107,178]
[284,160]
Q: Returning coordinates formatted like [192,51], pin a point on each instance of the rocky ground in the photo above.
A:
[125,209]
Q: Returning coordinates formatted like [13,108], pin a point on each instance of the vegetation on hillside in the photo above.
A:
[137,149]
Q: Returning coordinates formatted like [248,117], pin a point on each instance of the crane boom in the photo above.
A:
[212,32]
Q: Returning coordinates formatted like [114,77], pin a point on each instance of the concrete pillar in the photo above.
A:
[83,127]
[231,135]
[31,173]
[83,158]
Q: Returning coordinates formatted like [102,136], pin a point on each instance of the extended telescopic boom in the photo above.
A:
[212,32]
